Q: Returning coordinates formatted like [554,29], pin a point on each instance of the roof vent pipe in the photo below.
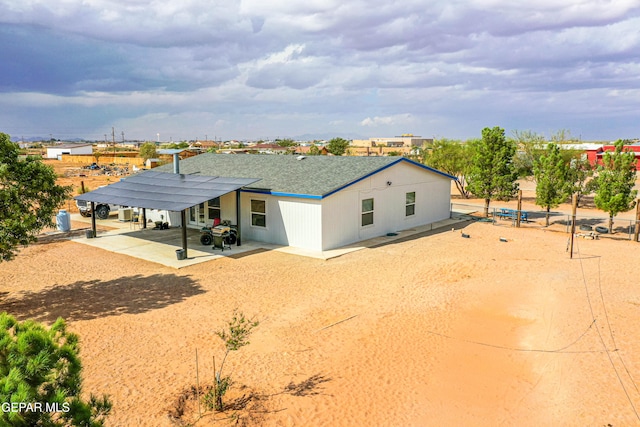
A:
[176,163]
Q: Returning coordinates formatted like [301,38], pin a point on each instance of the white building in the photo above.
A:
[57,151]
[320,202]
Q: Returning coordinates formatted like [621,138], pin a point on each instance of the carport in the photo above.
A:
[167,191]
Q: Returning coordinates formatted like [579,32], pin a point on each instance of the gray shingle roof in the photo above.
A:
[313,175]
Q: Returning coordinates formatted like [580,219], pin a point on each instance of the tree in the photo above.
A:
[493,174]
[580,174]
[553,185]
[529,146]
[29,196]
[337,146]
[614,182]
[286,142]
[452,157]
[235,337]
[148,150]
[41,367]
[314,150]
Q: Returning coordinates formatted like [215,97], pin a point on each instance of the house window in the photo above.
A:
[214,208]
[258,213]
[410,204]
[367,212]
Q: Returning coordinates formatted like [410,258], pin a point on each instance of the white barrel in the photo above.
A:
[63,220]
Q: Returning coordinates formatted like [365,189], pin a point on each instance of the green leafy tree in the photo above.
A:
[553,184]
[314,150]
[452,157]
[580,175]
[615,181]
[148,150]
[286,142]
[29,197]
[41,367]
[235,336]
[493,174]
[529,146]
[337,146]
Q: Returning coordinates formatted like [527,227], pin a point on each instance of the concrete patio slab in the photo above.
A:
[160,246]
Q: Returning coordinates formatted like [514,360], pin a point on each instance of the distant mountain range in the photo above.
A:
[44,138]
[304,137]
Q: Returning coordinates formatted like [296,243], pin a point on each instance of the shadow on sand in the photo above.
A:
[85,300]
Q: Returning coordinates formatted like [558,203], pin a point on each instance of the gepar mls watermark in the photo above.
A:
[50,407]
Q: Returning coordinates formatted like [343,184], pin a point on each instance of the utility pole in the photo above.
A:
[123,137]
[113,138]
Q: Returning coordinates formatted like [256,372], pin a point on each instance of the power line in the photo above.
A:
[615,370]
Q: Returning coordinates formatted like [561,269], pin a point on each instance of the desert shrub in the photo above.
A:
[235,336]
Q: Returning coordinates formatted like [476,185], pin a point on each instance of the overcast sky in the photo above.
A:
[258,69]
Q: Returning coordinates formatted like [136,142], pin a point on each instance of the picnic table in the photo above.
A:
[511,214]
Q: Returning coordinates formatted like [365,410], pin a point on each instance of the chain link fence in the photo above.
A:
[594,226]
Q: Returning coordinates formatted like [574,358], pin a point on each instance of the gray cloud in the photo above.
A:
[353,66]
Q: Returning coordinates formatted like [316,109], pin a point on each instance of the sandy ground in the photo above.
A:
[447,330]
[432,330]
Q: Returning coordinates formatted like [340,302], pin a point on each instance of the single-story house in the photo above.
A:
[56,151]
[319,202]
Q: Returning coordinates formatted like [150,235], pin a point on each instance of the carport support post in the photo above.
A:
[93,219]
[238,216]
[183,217]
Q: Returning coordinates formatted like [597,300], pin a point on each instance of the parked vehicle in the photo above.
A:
[102,209]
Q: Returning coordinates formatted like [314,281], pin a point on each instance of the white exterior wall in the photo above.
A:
[342,211]
[54,153]
[228,207]
[290,221]
[173,218]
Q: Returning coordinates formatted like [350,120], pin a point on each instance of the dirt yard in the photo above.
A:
[500,328]
[74,175]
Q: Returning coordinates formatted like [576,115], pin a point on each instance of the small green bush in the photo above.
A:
[235,336]
[40,381]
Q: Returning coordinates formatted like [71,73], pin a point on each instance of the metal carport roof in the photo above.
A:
[168,191]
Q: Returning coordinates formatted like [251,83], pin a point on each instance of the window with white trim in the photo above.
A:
[213,206]
[410,204]
[367,212]
[258,213]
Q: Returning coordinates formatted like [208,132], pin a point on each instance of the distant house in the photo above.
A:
[57,151]
[269,148]
[305,149]
[320,202]
[595,152]
[404,144]
[634,148]
[405,140]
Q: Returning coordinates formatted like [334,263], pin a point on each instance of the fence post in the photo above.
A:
[574,205]
[519,208]
[637,228]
